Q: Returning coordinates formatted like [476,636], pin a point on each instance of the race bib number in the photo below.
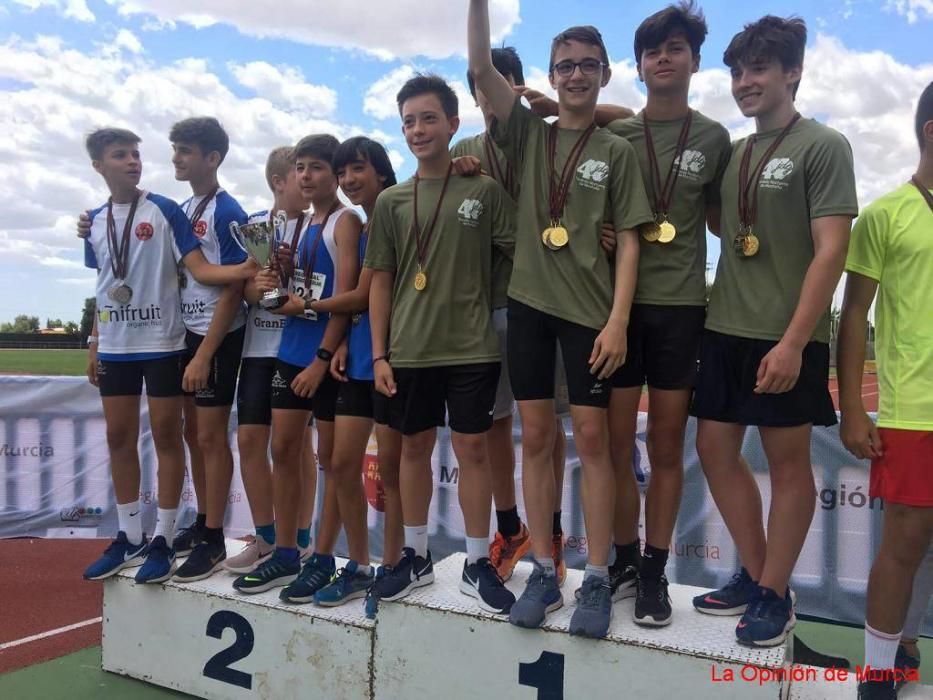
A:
[312,292]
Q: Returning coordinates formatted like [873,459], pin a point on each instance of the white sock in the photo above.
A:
[128,516]
[593,570]
[920,598]
[416,537]
[477,548]
[165,524]
[880,648]
[550,568]
[365,569]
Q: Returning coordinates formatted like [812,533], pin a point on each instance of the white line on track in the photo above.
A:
[50,633]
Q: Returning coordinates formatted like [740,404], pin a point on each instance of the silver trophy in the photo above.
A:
[260,240]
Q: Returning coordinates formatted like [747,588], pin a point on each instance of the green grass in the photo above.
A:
[57,362]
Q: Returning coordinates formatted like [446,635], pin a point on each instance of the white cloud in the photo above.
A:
[379,100]
[913,10]
[73,9]
[400,28]
[285,87]
[127,40]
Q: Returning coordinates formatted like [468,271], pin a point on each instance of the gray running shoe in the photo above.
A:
[541,596]
[594,609]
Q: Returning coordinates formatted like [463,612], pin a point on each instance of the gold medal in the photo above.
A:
[666,232]
[559,236]
[750,245]
[546,239]
[651,232]
[421,281]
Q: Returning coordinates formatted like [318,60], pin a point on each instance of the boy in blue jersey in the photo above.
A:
[139,337]
[254,391]
[215,319]
[324,263]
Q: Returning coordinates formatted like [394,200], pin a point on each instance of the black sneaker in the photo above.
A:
[731,599]
[482,581]
[877,690]
[410,573]
[204,560]
[315,574]
[652,603]
[187,539]
[622,581]
[274,572]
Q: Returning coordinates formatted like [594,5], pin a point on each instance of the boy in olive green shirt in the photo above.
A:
[788,199]
[573,176]
[682,155]
[430,247]
[892,254]
[512,540]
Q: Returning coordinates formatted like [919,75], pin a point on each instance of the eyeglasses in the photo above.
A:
[588,66]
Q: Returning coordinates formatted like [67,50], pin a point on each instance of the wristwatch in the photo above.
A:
[325,355]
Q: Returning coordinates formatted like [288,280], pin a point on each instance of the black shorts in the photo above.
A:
[726,381]
[254,391]
[322,405]
[532,343]
[125,378]
[467,393]
[359,398]
[663,346]
[221,380]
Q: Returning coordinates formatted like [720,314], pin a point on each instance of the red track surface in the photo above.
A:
[42,589]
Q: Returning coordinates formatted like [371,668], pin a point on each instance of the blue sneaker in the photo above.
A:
[315,574]
[482,581]
[731,599]
[594,608]
[541,596]
[372,600]
[160,562]
[349,583]
[410,573]
[767,621]
[120,554]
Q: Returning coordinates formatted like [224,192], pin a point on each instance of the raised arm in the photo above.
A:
[496,88]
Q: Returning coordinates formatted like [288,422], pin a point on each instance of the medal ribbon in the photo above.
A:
[915,181]
[557,195]
[506,178]
[308,267]
[202,205]
[664,195]
[120,251]
[422,241]
[748,212]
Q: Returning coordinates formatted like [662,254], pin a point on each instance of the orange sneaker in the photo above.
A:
[557,550]
[505,552]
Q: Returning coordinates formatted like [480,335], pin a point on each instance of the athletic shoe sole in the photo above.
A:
[337,603]
[649,621]
[425,580]
[279,582]
[469,590]
[132,563]
[243,570]
[774,641]
[556,605]
[199,577]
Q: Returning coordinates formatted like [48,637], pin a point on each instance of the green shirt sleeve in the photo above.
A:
[628,202]
[458,149]
[713,196]
[831,178]
[381,252]
[868,244]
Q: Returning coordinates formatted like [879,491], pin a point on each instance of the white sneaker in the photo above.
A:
[256,551]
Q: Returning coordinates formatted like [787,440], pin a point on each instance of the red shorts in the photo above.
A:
[904,473]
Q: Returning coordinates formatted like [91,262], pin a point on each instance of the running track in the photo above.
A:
[48,611]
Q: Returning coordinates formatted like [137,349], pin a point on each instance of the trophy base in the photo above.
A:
[273,299]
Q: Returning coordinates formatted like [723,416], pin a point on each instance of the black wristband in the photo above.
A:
[325,355]
[381,357]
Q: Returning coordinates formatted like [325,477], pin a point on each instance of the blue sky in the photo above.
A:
[275,72]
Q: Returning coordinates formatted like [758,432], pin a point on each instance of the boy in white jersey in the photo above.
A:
[215,320]
[139,336]
[254,391]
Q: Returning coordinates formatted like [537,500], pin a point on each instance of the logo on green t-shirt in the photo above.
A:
[690,165]
[469,212]
[593,174]
[775,174]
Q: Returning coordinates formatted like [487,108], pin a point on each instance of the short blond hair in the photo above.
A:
[280,162]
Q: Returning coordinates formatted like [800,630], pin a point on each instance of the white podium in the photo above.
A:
[207,640]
